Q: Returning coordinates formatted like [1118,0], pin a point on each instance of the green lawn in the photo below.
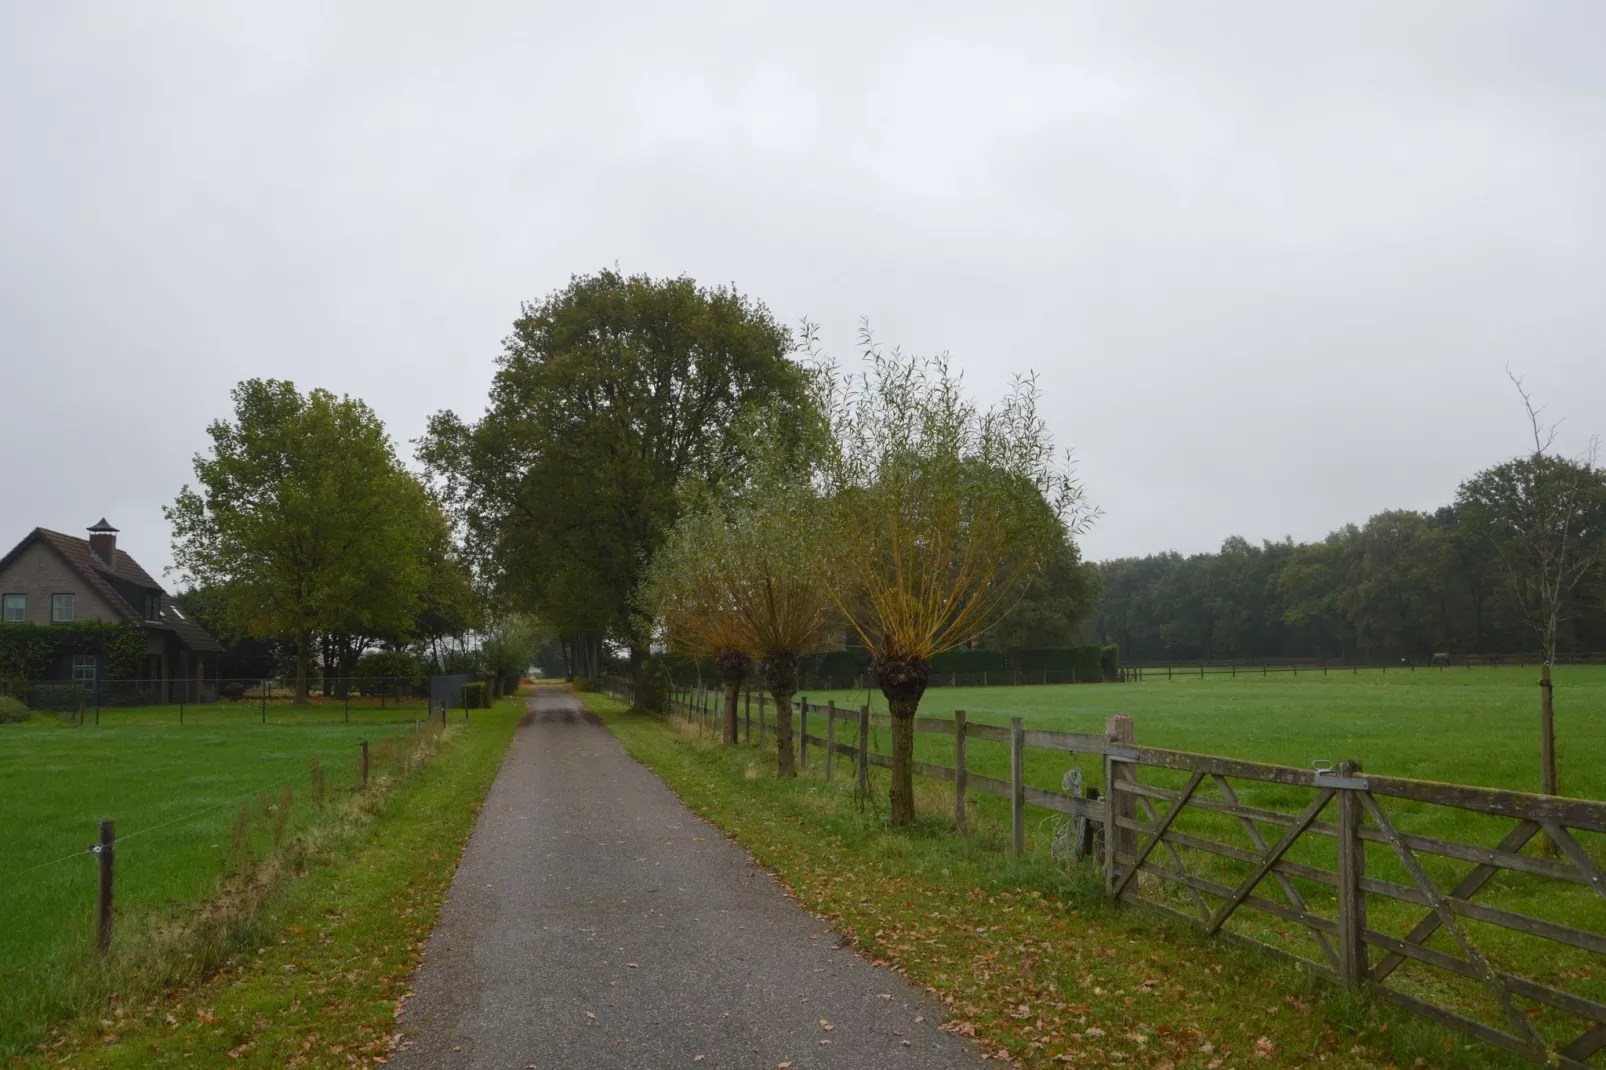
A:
[174,792]
[338,945]
[1477,726]
[1472,727]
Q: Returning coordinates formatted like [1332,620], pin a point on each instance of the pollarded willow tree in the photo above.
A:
[943,515]
[737,580]
[691,591]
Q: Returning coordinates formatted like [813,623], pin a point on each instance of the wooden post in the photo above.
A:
[830,738]
[107,849]
[1017,786]
[1118,805]
[803,733]
[365,763]
[747,712]
[1352,958]
[864,752]
[959,771]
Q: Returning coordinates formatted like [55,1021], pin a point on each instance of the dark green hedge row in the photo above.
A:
[35,651]
[1090,663]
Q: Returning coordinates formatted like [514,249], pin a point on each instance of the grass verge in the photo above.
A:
[1025,954]
[317,980]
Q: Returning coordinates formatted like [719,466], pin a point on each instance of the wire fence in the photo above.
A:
[237,700]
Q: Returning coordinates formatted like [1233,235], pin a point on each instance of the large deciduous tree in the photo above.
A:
[608,395]
[304,520]
[1545,517]
[942,516]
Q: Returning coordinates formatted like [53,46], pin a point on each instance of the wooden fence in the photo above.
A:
[1311,865]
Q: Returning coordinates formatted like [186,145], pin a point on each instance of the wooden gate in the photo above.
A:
[1322,873]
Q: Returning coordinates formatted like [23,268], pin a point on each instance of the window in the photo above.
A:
[83,668]
[153,606]
[63,608]
[16,608]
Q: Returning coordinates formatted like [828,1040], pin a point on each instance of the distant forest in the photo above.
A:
[1404,585]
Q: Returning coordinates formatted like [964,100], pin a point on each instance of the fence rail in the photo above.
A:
[1501,942]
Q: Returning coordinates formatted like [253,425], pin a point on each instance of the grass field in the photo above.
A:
[174,792]
[339,943]
[1477,726]
[1472,727]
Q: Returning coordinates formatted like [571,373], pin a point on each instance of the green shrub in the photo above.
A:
[383,663]
[475,696]
[1110,662]
[59,698]
[588,683]
[12,710]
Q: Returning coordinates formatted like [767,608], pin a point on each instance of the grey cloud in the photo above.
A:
[1270,260]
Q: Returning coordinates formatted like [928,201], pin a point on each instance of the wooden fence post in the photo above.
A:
[1017,786]
[830,738]
[108,857]
[803,733]
[1352,958]
[959,771]
[864,752]
[365,763]
[1118,805]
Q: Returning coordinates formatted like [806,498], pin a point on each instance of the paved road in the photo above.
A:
[594,922]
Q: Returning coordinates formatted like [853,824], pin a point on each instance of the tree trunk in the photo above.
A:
[328,644]
[780,675]
[785,760]
[1549,783]
[732,671]
[303,668]
[903,682]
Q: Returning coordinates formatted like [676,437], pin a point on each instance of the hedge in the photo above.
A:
[1091,663]
[34,651]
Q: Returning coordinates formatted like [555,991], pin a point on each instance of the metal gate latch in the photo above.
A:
[1326,778]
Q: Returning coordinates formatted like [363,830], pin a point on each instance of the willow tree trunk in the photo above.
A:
[732,671]
[903,682]
[1548,779]
[780,675]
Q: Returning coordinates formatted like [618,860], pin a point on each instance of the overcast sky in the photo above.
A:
[1270,260]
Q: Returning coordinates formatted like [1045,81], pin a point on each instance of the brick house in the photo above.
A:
[51,578]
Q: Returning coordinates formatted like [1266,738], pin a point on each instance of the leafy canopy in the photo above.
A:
[608,396]
[942,514]
[304,519]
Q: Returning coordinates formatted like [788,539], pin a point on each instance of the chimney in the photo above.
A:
[103,544]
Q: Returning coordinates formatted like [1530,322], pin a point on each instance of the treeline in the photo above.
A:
[1402,585]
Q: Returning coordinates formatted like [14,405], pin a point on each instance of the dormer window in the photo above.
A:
[153,606]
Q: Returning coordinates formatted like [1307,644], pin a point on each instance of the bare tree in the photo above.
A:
[1546,518]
